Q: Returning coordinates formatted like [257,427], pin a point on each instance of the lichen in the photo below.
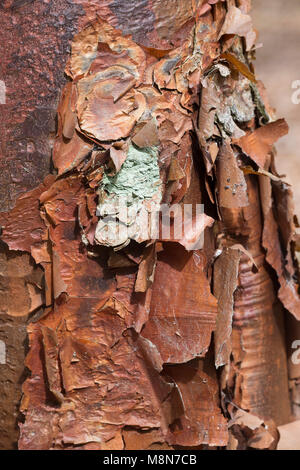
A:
[138,177]
[236,108]
[241,102]
[125,197]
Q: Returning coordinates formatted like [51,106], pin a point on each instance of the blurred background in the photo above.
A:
[278,66]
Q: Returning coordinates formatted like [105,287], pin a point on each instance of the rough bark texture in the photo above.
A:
[146,341]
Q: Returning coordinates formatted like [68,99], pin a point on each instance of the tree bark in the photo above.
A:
[148,339]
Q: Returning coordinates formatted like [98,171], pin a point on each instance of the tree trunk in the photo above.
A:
[147,269]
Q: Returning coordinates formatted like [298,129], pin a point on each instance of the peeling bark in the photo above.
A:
[161,107]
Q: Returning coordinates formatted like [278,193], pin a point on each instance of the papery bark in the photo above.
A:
[145,341]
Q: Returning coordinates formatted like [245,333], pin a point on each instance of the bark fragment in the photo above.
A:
[226,270]
[122,357]
[259,143]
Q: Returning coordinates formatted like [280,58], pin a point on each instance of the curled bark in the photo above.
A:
[161,107]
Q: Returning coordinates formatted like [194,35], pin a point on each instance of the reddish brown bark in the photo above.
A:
[142,345]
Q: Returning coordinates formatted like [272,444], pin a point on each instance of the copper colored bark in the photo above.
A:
[161,106]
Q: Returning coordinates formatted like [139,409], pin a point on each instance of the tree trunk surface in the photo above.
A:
[116,332]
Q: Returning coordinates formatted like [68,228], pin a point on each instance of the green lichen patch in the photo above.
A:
[138,177]
[128,198]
